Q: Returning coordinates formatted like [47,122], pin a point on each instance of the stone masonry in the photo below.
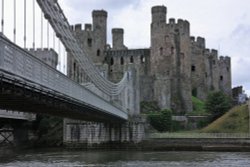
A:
[176,67]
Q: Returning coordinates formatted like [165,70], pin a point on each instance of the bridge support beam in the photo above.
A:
[82,134]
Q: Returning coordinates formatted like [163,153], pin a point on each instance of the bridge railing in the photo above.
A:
[24,66]
[196,135]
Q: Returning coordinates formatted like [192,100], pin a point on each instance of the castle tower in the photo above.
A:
[158,31]
[100,33]
[225,80]
[117,39]
[158,67]
[159,14]
[171,61]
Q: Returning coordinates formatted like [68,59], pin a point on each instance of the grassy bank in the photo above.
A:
[234,121]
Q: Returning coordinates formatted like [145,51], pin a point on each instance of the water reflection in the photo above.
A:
[64,158]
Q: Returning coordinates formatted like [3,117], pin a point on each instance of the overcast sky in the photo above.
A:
[224,23]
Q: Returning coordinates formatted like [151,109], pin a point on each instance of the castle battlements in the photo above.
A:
[190,67]
[99,13]
[78,27]
[199,41]
[181,26]
[225,59]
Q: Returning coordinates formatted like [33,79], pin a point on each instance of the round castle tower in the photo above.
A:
[158,30]
[117,39]
[100,32]
[159,14]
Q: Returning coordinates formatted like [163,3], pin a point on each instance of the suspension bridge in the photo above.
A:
[29,85]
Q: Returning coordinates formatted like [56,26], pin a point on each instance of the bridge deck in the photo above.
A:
[20,69]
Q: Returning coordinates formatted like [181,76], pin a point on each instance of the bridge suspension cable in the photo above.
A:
[41,29]
[24,36]
[59,22]
[14,27]
[34,25]
[2,22]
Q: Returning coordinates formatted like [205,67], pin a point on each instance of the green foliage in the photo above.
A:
[217,103]
[198,107]
[161,121]
[234,121]
[150,106]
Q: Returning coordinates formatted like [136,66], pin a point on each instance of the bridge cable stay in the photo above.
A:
[54,40]
[14,27]
[41,29]
[59,22]
[64,59]
[59,55]
[67,41]
[48,34]
[2,22]
[24,37]
[34,23]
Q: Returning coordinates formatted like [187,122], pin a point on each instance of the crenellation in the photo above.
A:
[177,63]
[78,27]
[214,52]
[201,42]
[99,13]
[174,68]
[192,39]
[172,21]
[159,14]
[88,27]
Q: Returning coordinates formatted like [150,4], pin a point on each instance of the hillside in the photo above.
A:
[234,121]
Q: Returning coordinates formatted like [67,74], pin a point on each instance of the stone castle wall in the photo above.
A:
[175,67]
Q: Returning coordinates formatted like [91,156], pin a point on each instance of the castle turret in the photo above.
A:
[100,33]
[158,30]
[117,39]
[159,14]
[225,80]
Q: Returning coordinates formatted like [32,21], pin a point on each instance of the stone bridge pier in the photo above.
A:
[82,134]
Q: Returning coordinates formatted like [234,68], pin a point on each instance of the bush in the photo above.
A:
[161,121]
[217,103]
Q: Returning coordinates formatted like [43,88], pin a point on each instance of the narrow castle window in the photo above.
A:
[98,52]
[206,74]
[161,51]
[89,42]
[142,59]
[131,59]
[227,69]
[213,62]
[221,78]
[111,61]
[193,68]
[172,50]
[122,61]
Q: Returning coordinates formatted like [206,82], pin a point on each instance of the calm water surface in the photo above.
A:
[57,158]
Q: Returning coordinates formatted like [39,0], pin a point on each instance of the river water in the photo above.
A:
[62,158]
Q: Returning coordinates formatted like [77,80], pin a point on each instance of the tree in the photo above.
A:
[161,121]
[217,103]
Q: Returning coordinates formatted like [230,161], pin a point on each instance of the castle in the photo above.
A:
[176,67]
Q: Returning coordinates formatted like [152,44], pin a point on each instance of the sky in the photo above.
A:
[225,24]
